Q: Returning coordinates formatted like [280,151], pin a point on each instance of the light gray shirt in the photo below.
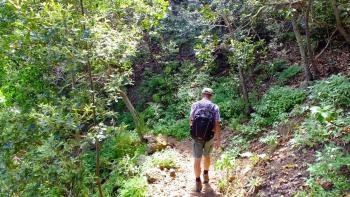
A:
[205,102]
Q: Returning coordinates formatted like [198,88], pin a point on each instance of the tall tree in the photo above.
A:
[339,24]
[302,50]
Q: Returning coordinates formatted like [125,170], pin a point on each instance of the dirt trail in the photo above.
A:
[183,184]
[282,173]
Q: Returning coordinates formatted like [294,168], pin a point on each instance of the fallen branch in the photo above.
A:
[328,42]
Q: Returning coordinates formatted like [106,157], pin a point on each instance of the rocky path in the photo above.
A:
[281,172]
[181,182]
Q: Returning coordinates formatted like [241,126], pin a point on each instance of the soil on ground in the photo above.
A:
[282,172]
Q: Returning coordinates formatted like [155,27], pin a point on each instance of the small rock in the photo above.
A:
[172,173]
[327,185]
[246,154]
[151,180]
[152,175]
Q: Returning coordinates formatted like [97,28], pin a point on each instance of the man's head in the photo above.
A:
[207,93]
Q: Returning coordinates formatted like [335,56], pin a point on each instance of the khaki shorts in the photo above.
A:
[202,148]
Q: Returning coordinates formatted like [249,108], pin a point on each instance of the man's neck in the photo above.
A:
[205,98]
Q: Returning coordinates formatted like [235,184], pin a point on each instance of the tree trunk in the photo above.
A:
[310,53]
[97,141]
[240,69]
[304,59]
[244,87]
[138,120]
[93,101]
[339,22]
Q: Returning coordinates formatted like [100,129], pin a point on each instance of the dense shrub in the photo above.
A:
[153,113]
[227,97]
[276,65]
[177,128]
[271,139]
[277,101]
[114,148]
[326,177]
[323,124]
[311,133]
[332,91]
[135,187]
[165,159]
[288,73]
[249,129]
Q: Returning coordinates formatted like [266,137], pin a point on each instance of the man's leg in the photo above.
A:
[206,162]
[206,165]
[197,154]
[197,167]
[208,148]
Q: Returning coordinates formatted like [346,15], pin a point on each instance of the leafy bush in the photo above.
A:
[165,159]
[311,133]
[114,149]
[322,124]
[123,143]
[223,185]
[226,164]
[276,65]
[127,166]
[249,129]
[114,181]
[326,178]
[288,73]
[239,142]
[136,187]
[227,161]
[2,99]
[179,129]
[227,97]
[153,113]
[332,91]
[277,101]
[270,139]
[233,123]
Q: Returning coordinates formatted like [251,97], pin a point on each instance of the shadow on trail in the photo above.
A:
[207,191]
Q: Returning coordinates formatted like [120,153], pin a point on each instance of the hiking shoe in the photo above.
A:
[205,178]
[198,187]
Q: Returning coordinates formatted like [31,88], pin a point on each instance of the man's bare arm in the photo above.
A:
[217,131]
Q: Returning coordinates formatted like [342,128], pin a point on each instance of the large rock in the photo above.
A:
[156,143]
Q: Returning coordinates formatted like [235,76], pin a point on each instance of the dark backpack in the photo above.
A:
[203,124]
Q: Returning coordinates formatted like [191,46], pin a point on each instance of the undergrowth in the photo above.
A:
[332,91]
[327,176]
[166,159]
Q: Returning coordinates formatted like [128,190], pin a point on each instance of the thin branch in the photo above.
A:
[93,102]
[328,42]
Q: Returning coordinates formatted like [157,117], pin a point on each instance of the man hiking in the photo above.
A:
[205,127]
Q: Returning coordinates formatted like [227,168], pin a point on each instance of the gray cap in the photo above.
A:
[207,91]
